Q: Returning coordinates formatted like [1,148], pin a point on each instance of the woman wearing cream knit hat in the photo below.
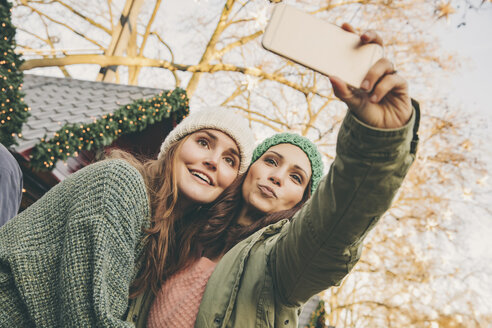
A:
[69,260]
[197,161]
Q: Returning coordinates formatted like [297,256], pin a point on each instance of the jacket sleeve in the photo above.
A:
[99,248]
[323,241]
[10,186]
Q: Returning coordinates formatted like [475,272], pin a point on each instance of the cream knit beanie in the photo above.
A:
[220,119]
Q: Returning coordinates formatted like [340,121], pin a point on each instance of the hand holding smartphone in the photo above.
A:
[319,45]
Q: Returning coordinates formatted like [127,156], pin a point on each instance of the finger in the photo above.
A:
[371,37]
[388,84]
[342,91]
[376,72]
[347,27]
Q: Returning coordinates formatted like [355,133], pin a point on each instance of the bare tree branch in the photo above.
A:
[210,48]
[133,75]
[41,14]
[176,78]
[51,45]
[103,60]
[110,10]
[284,125]
[84,17]
[240,42]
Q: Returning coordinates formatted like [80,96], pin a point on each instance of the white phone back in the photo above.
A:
[319,45]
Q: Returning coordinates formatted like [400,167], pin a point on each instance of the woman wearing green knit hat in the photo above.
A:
[281,234]
[285,170]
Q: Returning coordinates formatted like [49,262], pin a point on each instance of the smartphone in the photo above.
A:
[319,45]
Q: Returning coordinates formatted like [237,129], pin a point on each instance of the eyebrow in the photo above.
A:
[295,165]
[214,137]
[211,135]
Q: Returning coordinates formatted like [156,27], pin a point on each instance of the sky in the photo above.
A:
[472,82]
[470,86]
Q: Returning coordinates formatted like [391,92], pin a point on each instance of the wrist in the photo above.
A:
[357,139]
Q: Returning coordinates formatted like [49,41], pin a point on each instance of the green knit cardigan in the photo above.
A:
[68,260]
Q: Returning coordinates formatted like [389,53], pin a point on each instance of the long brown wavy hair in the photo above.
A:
[173,240]
[160,242]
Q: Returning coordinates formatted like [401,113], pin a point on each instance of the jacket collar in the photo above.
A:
[228,272]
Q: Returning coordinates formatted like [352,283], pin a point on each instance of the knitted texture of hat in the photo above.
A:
[306,146]
[219,119]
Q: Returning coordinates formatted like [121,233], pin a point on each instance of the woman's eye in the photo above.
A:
[230,161]
[270,161]
[297,178]
[202,142]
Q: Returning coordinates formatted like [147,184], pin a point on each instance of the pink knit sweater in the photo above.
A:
[176,305]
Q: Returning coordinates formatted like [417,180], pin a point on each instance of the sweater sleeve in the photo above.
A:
[324,239]
[68,259]
[99,249]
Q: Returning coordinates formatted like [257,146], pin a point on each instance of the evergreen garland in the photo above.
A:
[318,317]
[13,111]
[72,138]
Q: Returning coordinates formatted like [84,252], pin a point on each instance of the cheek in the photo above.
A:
[295,197]
[227,176]
[187,153]
[246,187]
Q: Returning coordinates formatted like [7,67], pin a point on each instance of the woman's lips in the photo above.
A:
[267,191]
[202,176]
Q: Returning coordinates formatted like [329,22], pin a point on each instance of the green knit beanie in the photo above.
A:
[306,146]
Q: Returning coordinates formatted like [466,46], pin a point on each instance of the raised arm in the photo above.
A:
[375,148]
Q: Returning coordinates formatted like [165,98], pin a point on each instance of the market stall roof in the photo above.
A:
[55,101]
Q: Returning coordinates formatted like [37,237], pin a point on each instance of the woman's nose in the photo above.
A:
[210,164]
[211,161]
[275,180]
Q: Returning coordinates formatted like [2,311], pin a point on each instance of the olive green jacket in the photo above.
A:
[264,280]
